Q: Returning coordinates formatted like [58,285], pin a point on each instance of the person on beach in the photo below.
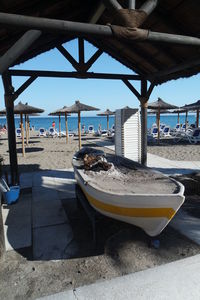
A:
[53,124]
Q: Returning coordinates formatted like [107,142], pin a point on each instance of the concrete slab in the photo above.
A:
[66,188]
[44,194]
[176,280]
[26,180]
[53,242]
[48,213]
[187,225]
[60,296]
[18,236]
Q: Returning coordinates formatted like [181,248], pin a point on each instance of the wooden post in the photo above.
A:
[158,124]
[59,126]
[197,120]
[178,118]
[26,128]
[22,133]
[9,103]
[66,125]
[144,103]
[79,129]
[107,122]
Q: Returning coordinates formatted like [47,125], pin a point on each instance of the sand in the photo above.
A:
[180,151]
[121,248]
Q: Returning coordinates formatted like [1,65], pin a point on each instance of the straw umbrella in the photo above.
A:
[25,109]
[77,107]
[107,113]
[193,106]
[160,105]
[61,112]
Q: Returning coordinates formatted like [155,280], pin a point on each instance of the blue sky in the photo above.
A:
[53,93]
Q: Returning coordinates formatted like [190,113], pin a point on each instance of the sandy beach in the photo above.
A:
[121,248]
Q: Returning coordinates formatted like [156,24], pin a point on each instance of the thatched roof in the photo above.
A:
[58,112]
[161,104]
[107,112]
[192,106]
[149,59]
[21,108]
[78,107]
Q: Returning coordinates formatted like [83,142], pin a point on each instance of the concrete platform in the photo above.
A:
[176,280]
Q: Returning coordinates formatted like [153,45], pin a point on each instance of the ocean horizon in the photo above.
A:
[46,121]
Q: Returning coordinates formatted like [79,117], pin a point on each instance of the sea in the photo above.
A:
[46,122]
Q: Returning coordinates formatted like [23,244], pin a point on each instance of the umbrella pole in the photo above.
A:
[107,122]
[59,126]
[26,128]
[186,116]
[22,133]
[79,129]
[66,126]
[158,123]
[178,118]
[197,119]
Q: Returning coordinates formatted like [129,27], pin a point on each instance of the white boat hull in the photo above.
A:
[151,212]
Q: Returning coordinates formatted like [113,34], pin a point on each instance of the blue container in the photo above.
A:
[12,195]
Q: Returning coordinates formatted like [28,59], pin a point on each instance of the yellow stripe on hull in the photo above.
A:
[153,212]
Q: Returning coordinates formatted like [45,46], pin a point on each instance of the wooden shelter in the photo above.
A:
[160,105]
[77,108]
[157,40]
[107,113]
[61,112]
[191,107]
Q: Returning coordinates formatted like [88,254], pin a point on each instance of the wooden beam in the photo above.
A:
[81,53]
[133,90]
[18,49]
[97,14]
[24,86]
[149,6]
[143,100]
[78,75]
[68,56]
[9,103]
[92,59]
[99,31]
[131,4]
[150,89]
[112,4]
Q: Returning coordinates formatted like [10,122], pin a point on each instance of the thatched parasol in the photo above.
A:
[160,105]
[77,107]
[193,106]
[107,113]
[25,109]
[61,112]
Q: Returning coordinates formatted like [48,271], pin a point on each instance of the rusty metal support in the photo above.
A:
[18,49]
[9,103]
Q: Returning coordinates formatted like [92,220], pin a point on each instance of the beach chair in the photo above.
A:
[154,132]
[177,127]
[166,132]
[90,129]
[194,138]
[162,126]
[52,132]
[42,132]
[18,133]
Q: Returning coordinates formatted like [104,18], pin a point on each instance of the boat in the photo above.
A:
[128,191]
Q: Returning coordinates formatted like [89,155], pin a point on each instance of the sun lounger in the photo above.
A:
[166,132]
[42,132]
[90,129]
[154,132]
[52,132]
[18,133]
[192,136]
